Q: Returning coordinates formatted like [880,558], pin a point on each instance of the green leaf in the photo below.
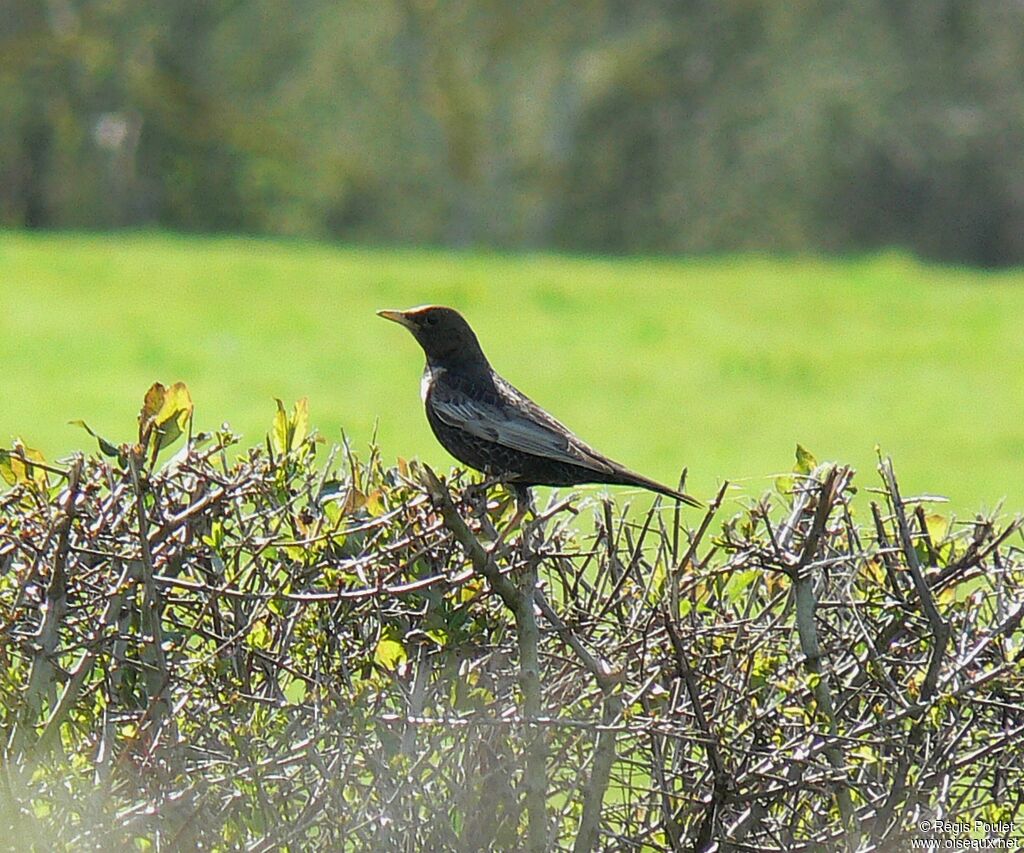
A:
[279,430]
[657,585]
[107,448]
[280,606]
[215,538]
[289,431]
[865,753]
[295,692]
[805,461]
[739,583]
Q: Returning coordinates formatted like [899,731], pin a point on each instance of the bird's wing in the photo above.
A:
[513,420]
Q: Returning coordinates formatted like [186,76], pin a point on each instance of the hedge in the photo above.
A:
[296,646]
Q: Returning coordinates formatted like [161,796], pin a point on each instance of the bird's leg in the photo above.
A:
[477,491]
[533,537]
[523,505]
[475,496]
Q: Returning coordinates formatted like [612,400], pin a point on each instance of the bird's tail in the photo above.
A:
[630,478]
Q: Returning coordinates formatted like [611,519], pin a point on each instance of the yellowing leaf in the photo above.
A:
[874,569]
[470,589]
[389,653]
[354,500]
[151,404]
[177,405]
[914,686]
[300,422]
[375,503]
[774,582]
[16,471]
[937,526]
[164,416]
[7,470]
[259,636]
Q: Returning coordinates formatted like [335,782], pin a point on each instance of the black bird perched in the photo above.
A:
[486,423]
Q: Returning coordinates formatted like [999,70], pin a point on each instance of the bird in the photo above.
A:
[490,425]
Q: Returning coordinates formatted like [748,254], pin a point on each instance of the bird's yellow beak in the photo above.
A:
[400,317]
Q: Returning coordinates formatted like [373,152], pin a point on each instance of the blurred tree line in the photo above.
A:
[600,125]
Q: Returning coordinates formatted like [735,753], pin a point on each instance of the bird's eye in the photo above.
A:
[431,319]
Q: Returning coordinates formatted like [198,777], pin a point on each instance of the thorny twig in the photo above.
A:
[335,672]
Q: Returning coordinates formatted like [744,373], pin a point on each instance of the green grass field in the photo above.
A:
[720,364]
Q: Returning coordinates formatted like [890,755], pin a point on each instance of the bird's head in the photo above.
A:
[443,333]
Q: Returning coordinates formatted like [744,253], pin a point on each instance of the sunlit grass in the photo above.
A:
[718,364]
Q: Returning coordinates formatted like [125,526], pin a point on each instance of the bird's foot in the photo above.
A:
[475,497]
[475,494]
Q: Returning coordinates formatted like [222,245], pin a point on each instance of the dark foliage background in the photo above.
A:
[643,126]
